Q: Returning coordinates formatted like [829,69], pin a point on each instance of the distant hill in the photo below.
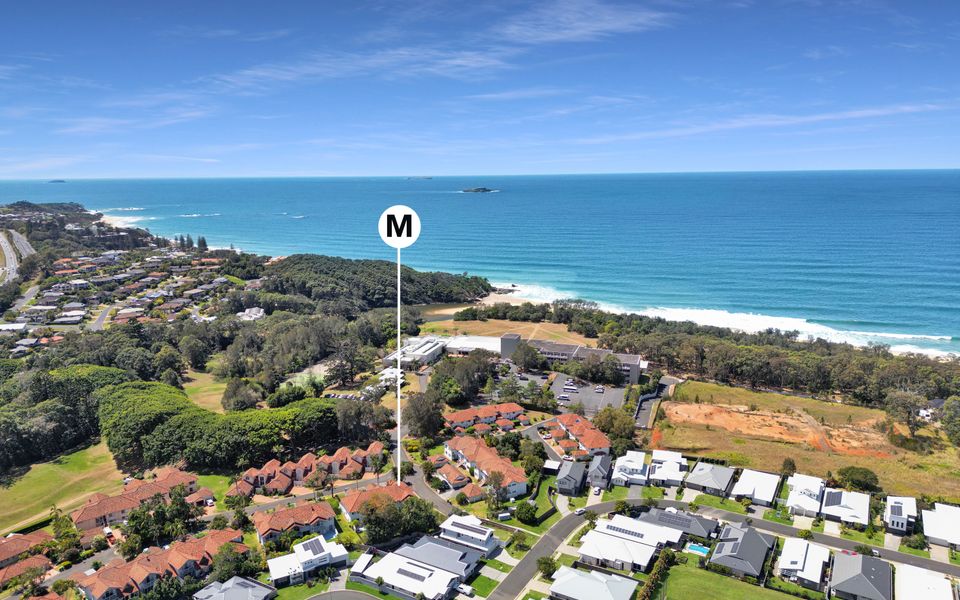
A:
[52,207]
[359,285]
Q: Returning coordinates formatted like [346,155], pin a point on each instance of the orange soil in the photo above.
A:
[792,428]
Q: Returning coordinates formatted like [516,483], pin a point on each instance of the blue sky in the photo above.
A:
[198,89]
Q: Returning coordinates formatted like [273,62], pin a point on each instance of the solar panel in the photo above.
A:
[411,574]
[833,498]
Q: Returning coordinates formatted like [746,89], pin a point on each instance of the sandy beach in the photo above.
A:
[499,297]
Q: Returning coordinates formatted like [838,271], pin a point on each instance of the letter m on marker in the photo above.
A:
[395,229]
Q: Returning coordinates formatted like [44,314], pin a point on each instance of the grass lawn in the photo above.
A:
[817,526]
[954,557]
[389,399]
[577,537]
[577,502]
[617,492]
[534,595]
[511,549]
[860,536]
[687,581]
[65,482]
[300,592]
[721,503]
[218,484]
[366,589]
[654,492]
[204,390]
[908,550]
[793,589]
[482,585]
[250,539]
[778,515]
[499,566]
[566,560]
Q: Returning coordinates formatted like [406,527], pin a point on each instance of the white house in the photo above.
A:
[850,508]
[900,514]
[806,495]
[404,576]
[760,487]
[631,469]
[469,531]
[625,543]
[306,558]
[667,468]
[942,525]
[803,563]
[914,582]
[573,584]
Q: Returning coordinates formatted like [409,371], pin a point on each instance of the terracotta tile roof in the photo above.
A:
[307,460]
[375,447]
[508,407]
[280,483]
[200,495]
[473,491]
[482,428]
[438,459]
[568,444]
[476,451]
[593,439]
[397,491]
[487,411]
[101,506]
[240,488]
[451,474]
[287,518]
[19,568]
[467,415]
[15,545]
[504,423]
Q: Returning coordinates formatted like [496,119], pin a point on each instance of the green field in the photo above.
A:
[617,492]
[908,550]
[778,515]
[367,589]
[483,585]
[65,482]
[650,491]
[860,536]
[204,390]
[687,581]
[296,592]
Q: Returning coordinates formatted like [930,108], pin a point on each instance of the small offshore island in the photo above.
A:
[238,411]
[478,190]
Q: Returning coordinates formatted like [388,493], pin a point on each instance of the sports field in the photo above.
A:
[204,390]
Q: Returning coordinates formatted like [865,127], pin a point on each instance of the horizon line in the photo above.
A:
[391,176]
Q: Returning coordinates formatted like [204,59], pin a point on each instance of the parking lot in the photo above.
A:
[586,393]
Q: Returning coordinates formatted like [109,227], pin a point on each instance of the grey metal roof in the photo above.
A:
[600,465]
[862,576]
[443,554]
[711,476]
[236,588]
[742,549]
[686,522]
[573,470]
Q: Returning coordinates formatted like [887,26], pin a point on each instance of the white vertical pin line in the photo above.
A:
[399,373]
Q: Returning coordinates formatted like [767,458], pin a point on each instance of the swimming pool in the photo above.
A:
[697,549]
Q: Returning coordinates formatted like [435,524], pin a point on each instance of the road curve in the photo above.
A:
[9,258]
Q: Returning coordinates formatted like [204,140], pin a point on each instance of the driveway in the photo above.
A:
[940,553]
[831,528]
[891,541]
[803,522]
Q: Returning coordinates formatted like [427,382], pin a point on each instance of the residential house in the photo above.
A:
[858,577]
[631,469]
[351,503]
[16,544]
[487,414]
[598,473]
[806,495]
[667,468]
[625,543]
[690,524]
[803,563]
[760,487]
[900,514]
[192,557]
[12,571]
[468,530]
[452,476]
[589,439]
[482,460]
[305,560]
[570,478]
[942,525]
[914,582]
[710,478]
[309,517]
[237,588]
[849,508]
[573,584]
[473,492]
[101,510]
[742,550]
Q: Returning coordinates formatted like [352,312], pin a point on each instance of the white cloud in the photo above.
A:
[766,121]
[213,33]
[519,94]
[578,21]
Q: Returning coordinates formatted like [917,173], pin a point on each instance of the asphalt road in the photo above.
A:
[10,259]
[531,433]
[102,317]
[22,244]
[422,488]
[526,570]
[30,294]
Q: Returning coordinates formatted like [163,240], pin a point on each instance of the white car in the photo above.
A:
[465,589]
[579,511]
[596,491]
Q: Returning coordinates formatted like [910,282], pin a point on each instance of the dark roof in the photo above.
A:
[236,588]
[688,523]
[862,576]
[574,470]
[600,464]
[443,554]
[742,549]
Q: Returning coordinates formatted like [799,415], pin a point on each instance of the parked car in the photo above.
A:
[596,491]
[579,511]
[465,589]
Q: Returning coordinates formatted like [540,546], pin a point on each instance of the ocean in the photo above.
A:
[866,256]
